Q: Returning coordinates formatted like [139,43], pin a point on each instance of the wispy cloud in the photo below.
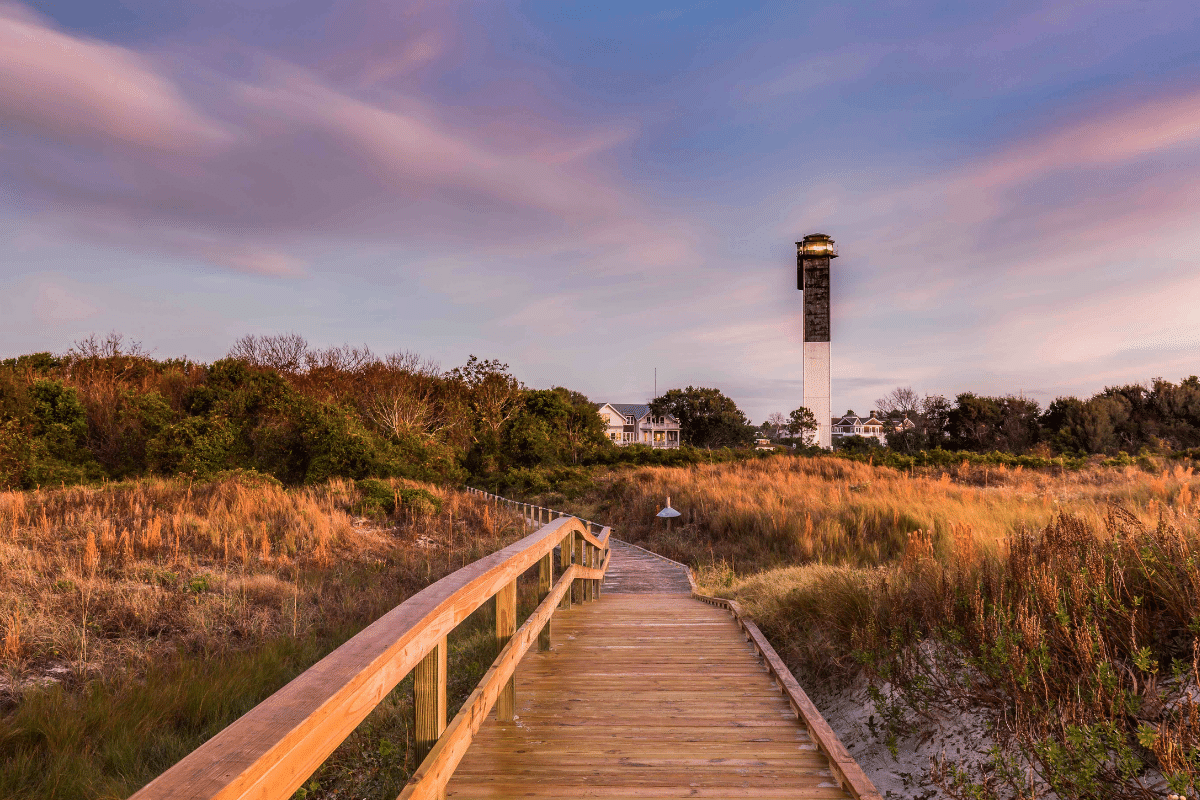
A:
[296,156]
[76,90]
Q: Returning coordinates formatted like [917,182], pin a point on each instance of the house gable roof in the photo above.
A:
[638,411]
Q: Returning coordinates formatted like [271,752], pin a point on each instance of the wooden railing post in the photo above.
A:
[599,563]
[568,543]
[594,585]
[545,581]
[577,588]
[587,562]
[506,626]
[592,562]
[429,699]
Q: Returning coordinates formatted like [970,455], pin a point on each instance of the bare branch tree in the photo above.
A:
[339,359]
[406,396]
[778,422]
[901,400]
[284,352]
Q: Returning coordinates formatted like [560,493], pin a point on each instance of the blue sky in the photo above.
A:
[590,191]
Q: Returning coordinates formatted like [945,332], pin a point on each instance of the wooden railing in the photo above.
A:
[269,753]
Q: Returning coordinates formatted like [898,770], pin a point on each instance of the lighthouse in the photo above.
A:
[812,277]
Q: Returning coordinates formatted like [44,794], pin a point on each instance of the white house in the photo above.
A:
[870,427]
[627,423]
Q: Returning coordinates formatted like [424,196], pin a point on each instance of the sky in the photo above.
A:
[590,192]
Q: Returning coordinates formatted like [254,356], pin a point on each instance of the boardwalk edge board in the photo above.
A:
[845,769]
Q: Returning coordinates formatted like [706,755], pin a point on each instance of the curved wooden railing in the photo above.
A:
[270,751]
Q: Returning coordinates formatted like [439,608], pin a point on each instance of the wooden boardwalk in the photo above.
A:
[647,693]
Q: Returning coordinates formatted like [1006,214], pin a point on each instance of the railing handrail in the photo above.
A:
[271,750]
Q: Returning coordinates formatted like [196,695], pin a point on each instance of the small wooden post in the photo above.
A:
[577,588]
[429,699]
[565,562]
[506,626]
[599,562]
[545,581]
[596,564]
[591,584]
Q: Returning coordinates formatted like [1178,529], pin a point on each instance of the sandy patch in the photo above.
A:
[963,736]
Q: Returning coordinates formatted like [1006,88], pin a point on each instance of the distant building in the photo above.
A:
[871,427]
[627,423]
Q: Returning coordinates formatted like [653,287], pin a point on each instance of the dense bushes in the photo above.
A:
[1160,417]
[108,411]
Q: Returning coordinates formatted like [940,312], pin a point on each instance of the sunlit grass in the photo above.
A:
[159,611]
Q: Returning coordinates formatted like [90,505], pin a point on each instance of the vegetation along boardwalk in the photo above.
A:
[650,693]
[623,682]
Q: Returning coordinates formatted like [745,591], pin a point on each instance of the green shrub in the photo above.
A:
[16,454]
[202,447]
[200,583]
[378,498]
[420,502]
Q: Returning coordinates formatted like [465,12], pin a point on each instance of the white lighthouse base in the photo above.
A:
[816,389]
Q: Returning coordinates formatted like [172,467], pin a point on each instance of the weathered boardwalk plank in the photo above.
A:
[646,693]
[634,570]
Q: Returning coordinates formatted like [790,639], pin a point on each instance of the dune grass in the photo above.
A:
[139,619]
[1065,603]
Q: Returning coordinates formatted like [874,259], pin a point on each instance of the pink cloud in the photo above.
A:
[56,303]
[410,149]
[1106,138]
[304,159]
[68,88]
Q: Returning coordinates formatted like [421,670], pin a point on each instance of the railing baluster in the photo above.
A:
[587,562]
[429,699]
[506,626]
[577,588]
[595,584]
[545,581]
[568,543]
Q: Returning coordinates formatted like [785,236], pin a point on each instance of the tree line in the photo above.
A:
[107,410]
[1161,417]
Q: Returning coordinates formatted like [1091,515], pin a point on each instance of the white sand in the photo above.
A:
[963,737]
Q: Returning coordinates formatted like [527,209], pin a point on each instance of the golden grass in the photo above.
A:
[92,578]
[783,511]
[1066,604]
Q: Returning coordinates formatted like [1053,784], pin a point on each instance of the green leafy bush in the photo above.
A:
[420,502]
[378,498]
